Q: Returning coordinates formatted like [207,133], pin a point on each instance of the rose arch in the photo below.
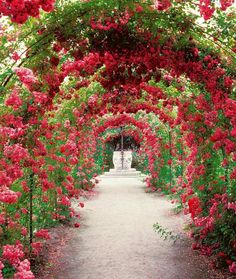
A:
[87,67]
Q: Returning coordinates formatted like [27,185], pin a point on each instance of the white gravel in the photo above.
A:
[116,239]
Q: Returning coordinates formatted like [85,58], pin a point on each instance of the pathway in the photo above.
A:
[116,238]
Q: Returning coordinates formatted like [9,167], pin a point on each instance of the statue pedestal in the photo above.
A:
[127,160]
[118,171]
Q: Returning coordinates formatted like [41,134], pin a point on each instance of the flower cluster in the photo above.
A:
[162,5]
[23,271]
[14,100]
[26,76]
[13,254]
[206,9]
[43,233]
[20,10]
[16,152]
[8,196]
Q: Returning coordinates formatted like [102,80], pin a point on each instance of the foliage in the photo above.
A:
[71,78]
[167,235]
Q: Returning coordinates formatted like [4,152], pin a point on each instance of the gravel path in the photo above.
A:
[116,239]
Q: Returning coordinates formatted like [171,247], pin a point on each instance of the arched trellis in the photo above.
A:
[81,10]
[108,103]
[27,124]
[216,94]
[112,137]
[126,119]
[127,132]
[152,140]
[170,64]
[151,146]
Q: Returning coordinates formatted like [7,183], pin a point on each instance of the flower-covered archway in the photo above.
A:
[87,66]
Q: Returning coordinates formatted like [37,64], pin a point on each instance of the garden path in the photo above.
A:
[116,239]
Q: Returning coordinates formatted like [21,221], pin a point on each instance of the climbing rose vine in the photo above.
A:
[176,99]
